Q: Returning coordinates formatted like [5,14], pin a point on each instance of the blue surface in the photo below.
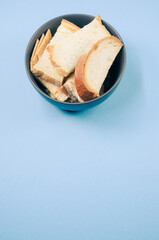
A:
[89,175]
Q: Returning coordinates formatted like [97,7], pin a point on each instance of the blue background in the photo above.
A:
[88,175]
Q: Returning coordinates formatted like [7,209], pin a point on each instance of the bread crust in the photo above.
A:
[36,57]
[35,48]
[33,54]
[84,91]
[45,77]
[98,18]
[69,25]
[50,49]
[39,48]
[81,88]
[41,40]
[64,90]
[44,43]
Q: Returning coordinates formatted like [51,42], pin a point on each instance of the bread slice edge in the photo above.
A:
[84,90]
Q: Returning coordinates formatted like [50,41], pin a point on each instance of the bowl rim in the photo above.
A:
[72,103]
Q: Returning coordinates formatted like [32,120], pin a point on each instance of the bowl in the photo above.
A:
[112,80]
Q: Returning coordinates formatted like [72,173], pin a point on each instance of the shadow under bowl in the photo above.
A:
[114,75]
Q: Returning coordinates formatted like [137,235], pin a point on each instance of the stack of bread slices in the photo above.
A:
[74,63]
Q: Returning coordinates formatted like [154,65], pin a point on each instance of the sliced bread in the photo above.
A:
[39,47]
[55,92]
[64,55]
[69,88]
[93,66]
[33,54]
[43,67]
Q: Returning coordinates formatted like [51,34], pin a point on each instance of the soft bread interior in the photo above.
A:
[99,61]
[43,67]
[69,88]
[66,52]
[92,44]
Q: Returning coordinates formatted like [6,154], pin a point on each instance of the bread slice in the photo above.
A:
[33,54]
[36,58]
[69,89]
[66,52]
[39,47]
[65,92]
[93,66]
[55,92]
[43,68]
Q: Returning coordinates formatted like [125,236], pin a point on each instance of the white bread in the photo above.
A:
[55,92]
[93,66]
[69,88]
[66,52]
[43,68]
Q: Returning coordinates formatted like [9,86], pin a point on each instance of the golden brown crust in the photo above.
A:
[91,49]
[44,43]
[61,72]
[35,58]
[84,91]
[98,17]
[113,38]
[64,90]
[37,73]
[39,48]
[50,49]
[33,53]
[41,39]
[35,48]
[44,40]
[69,25]
[58,69]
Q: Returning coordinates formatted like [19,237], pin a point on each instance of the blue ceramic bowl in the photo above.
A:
[112,78]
